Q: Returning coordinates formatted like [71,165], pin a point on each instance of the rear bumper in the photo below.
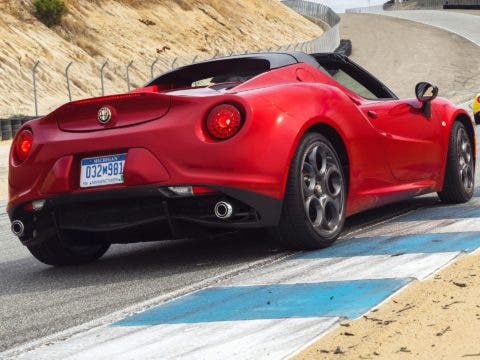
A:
[146,213]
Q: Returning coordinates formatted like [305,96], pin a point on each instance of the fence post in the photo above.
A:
[129,65]
[101,77]
[68,81]
[173,63]
[34,76]
[216,54]
[153,66]
[194,59]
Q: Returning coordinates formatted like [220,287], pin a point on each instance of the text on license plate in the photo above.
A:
[102,170]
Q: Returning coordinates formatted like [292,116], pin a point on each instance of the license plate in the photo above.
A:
[102,170]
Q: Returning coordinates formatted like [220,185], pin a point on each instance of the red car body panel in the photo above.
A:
[394,151]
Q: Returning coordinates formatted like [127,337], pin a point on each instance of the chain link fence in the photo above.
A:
[133,74]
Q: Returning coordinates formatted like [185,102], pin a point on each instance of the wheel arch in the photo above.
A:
[338,144]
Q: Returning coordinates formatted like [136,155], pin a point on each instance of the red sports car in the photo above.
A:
[285,141]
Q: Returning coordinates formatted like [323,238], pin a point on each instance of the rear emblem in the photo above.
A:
[104,115]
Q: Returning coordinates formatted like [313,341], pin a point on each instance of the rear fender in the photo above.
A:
[306,105]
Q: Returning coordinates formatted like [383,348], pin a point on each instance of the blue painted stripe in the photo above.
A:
[476,192]
[467,211]
[337,298]
[392,245]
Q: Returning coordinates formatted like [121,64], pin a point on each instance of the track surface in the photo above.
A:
[465,25]
[37,300]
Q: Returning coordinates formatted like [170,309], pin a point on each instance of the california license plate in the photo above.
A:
[102,170]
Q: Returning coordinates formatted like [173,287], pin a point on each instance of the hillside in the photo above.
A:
[119,31]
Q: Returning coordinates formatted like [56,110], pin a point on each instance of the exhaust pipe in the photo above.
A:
[223,210]
[18,228]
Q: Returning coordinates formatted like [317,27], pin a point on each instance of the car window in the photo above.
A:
[230,70]
[350,83]
[354,77]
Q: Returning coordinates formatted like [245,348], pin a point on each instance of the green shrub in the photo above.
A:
[50,12]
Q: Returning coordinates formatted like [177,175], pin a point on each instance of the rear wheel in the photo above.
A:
[459,179]
[72,248]
[313,212]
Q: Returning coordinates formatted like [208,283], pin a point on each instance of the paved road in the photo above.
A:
[37,300]
[465,25]
[272,311]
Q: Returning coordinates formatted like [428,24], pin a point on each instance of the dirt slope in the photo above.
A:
[119,31]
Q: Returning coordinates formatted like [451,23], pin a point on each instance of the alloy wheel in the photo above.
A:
[323,189]
[465,160]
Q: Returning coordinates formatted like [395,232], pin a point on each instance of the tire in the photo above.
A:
[71,249]
[459,181]
[313,212]
[477,118]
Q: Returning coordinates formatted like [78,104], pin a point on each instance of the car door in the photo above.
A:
[410,140]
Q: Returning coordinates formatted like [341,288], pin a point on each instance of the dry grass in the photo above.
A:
[95,30]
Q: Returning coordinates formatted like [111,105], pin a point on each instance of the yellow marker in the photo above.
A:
[476,108]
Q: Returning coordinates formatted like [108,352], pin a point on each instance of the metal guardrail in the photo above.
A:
[404,5]
[462,2]
[415,5]
[315,11]
[329,40]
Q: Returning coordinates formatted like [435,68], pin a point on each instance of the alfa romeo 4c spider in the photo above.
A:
[288,142]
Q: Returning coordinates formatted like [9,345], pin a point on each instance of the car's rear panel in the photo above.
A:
[126,110]
[164,149]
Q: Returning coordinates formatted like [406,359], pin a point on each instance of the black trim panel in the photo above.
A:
[167,216]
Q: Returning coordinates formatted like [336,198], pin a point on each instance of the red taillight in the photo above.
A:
[224,121]
[478,98]
[200,190]
[23,144]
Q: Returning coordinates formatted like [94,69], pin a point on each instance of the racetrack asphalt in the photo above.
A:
[465,25]
[37,300]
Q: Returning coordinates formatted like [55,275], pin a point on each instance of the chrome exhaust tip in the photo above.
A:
[18,228]
[223,210]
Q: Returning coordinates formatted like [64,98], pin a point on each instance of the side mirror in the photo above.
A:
[425,93]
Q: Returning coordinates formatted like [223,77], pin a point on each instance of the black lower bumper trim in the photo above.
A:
[150,211]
